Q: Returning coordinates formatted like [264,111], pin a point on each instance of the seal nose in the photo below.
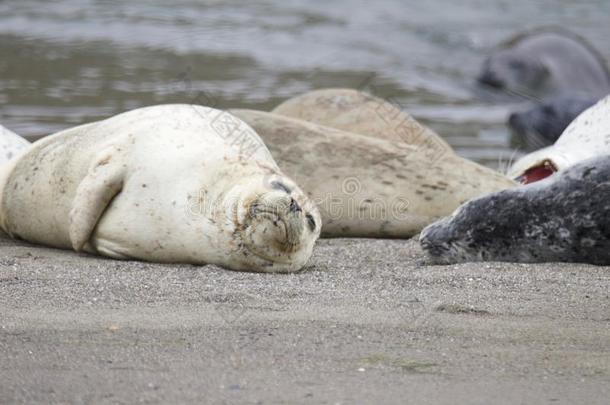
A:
[435,240]
[515,121]
[491,79]
[294,206]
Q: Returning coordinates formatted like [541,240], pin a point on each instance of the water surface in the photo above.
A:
[67,62]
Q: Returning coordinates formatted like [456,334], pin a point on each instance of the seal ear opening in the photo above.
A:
[103,182]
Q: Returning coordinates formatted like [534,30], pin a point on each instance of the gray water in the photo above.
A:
[67,62]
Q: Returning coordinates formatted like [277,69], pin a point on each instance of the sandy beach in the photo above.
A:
[366,322]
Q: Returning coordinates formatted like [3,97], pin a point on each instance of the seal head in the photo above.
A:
[541,125]
[275,223]
[564,217]
[545,62]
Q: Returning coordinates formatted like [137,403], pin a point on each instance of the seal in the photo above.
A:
[370,187]
[542,124]
[167,183]
[11,145]
[564,218]
[586,137]
[546,62]
[359,112]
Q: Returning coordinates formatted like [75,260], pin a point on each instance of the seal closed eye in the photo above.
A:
[311,222]
[278,185]
[101,189]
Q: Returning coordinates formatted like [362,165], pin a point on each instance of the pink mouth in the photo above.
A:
[537,173]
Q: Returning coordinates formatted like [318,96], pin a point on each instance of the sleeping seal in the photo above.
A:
[564,218]
[168,183]
[370,187]
[587,136]
[361,113]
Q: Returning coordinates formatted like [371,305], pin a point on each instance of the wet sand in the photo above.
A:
[365,323]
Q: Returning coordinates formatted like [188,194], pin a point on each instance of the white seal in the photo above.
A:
[11,145]
[168,183]
[586,137]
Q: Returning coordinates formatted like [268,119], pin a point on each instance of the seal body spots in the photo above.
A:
[563,218]
[366,186]
[586,137]
[11,145]
[542,124]
[358,112]
[544,63]
[169,183]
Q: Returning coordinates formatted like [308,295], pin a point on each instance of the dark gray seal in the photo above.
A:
[564,218]
[542,124]
[546,62]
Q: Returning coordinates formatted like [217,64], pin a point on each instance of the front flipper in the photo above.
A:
[103,182]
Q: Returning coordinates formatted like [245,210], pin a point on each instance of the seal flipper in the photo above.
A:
[103,182]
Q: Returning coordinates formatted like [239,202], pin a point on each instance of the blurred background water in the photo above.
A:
[67,62]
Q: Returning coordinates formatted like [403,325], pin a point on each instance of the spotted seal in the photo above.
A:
[168,183]
[564,218]
[586,137]
[11,145]
[362,113]
[366,186]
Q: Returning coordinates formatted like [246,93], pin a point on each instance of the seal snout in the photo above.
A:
[294,206]
[490,78]
[276,220]
[434,239]
[444,241]
[517,122]
[277,228]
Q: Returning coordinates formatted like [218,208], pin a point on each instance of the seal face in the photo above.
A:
[543,124]
[586,137]
[546,62]
[169,183]
[565,218]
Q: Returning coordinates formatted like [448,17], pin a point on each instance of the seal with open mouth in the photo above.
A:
[586,137]
[168,183]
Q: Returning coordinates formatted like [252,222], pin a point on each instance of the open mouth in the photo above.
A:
[537,173]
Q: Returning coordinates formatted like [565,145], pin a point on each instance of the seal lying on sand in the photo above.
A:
[587,136]
[169,183]
[563,218]
[370,187]
[546,62]
[11,145]
[542,124]
[358,112]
